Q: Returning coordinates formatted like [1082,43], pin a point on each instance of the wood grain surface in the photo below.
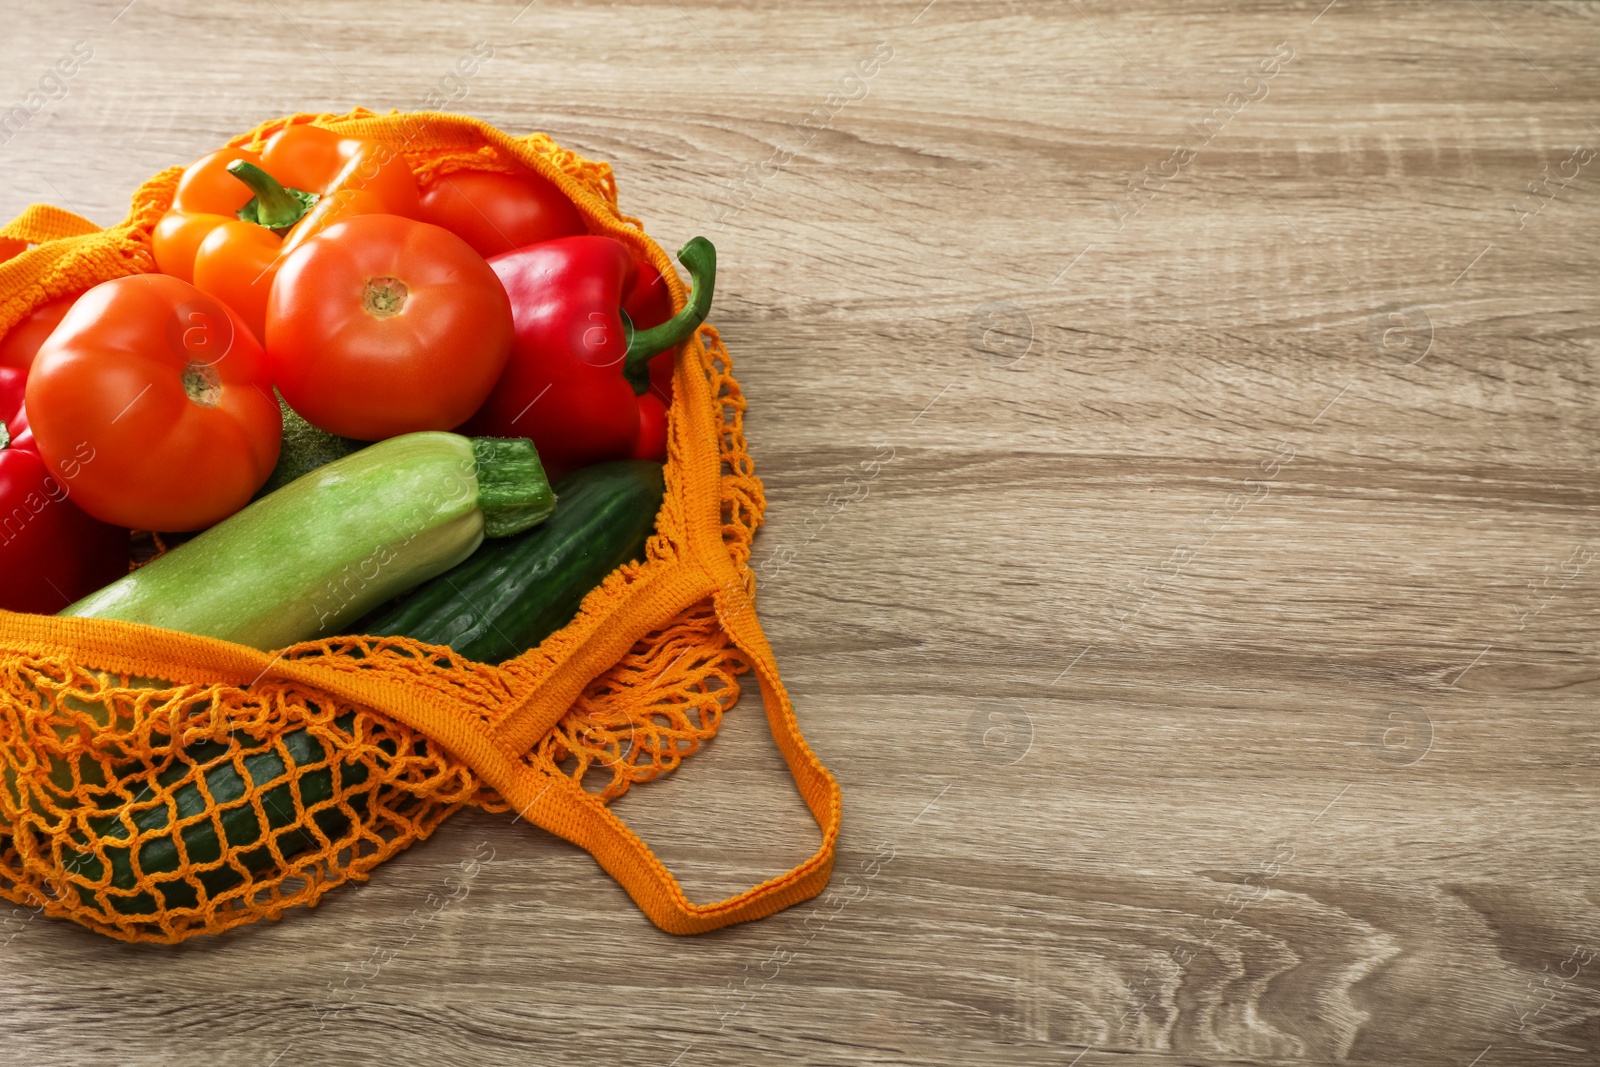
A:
[1205,639]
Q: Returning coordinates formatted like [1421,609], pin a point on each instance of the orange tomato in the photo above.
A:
[381,326]
[157,399]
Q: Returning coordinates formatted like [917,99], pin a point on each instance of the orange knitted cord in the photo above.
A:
[159,785]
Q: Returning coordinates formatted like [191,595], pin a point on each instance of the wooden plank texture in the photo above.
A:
[1210,664]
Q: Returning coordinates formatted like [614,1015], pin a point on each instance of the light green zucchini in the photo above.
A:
[328,547]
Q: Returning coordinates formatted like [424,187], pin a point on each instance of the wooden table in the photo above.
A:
[1209,664]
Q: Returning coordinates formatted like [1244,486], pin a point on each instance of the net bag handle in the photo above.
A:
[565,809]
[706,568]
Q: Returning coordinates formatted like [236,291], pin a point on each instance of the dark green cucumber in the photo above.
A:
[159,855]
[514,592]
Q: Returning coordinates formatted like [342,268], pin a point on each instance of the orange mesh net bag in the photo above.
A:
[158,785]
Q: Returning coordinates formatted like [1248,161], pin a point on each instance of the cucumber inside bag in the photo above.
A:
[153,808]
[515,592]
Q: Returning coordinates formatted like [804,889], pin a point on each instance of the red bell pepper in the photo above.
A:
[51,553]
[578,381]
[649,303]
[21,343]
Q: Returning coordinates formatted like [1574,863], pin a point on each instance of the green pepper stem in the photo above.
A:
[274,206]
[700,257]
[5,435]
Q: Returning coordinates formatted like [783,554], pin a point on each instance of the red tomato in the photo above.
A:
[169,391]
[381,326]
[496,213]
[21,342]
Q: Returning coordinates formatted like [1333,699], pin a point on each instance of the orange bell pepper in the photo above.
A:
[237,215]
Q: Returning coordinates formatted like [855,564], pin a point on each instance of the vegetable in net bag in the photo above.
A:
[158,785]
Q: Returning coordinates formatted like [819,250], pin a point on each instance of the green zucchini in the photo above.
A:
[329,547]
[514,593]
